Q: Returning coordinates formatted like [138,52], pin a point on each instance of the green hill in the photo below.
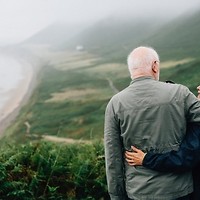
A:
[76,86]
[178,39]
[69,103]
[54,34]
[114,38]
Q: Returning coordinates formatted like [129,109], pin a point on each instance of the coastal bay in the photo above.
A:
[16,85]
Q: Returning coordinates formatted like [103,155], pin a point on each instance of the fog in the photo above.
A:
[23,18]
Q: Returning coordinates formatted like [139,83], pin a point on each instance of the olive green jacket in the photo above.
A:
[150,115]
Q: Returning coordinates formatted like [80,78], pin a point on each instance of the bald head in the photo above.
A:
[143,61]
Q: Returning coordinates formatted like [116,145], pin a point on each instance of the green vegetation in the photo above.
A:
[52,171]
[79,111]
[70,101]
[114,38]
[44,170]
[178,39]
[187,74]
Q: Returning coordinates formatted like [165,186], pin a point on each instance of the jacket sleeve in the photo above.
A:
[184,159]
[114,155]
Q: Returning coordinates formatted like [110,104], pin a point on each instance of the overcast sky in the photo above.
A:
[19,19]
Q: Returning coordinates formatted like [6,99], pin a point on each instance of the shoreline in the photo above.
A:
[18,96]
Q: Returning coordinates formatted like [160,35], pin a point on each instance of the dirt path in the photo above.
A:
[112,86]
[64,140]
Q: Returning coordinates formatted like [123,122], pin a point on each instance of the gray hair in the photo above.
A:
[141,58]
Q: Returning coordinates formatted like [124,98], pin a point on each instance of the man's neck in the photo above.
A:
[138,75]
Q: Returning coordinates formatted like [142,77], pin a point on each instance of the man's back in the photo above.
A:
[155,111]
[152,116]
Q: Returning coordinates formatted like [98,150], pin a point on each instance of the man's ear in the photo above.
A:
[154,67]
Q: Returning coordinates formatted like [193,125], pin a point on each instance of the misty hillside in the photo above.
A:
[177,39]
[180,38]
[54,34]
[113,38]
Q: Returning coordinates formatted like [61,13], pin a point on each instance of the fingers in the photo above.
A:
[135,157]
[129,155]
[136,150]
[131,162]
[130,158]
[198,90]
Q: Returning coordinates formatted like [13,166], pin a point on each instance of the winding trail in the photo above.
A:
[112,86]
[64,140]
[53,138]
[74,141]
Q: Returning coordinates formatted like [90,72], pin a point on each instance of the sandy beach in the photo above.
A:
[18,96]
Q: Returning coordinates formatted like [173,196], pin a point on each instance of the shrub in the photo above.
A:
[44,170]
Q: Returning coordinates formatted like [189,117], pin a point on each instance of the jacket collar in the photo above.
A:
[141,79]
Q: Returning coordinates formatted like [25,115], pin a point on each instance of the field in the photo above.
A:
[61,156]
[74,89]
[72,96]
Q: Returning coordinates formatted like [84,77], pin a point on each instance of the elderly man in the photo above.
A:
[150,115]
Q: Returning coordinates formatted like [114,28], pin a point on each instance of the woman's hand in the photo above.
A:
[134,157]
[198,90]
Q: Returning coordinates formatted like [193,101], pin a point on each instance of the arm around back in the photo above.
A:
[184,159]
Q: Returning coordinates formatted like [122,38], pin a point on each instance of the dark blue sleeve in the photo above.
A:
[187,156]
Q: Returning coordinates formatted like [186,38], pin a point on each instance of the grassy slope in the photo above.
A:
[53,171]
[82,116]
[178,39]
[187,74]
[79,117]
[113,39]
[46,170]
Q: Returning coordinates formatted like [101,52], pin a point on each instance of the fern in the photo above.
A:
[45,170]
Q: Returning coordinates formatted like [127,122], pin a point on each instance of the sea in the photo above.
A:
[11,73]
